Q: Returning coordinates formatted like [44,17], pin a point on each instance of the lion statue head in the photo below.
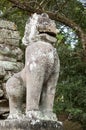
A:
[39,26]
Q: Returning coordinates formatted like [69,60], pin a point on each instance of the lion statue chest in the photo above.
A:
[41,56]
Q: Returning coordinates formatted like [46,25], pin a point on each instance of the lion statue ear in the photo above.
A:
[34,15]
[45,15]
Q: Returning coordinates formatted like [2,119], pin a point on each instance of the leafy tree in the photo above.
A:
[70,13]
[67,12]
[71,89]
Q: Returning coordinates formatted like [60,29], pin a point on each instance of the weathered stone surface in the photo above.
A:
[9,34]
[25,124]
[1,93]
[14,66]
[7,25]
[5,58]
[11,51]
[4,106]
[10,60]
[7,76]
[6,41]
[38,79]
[2,71]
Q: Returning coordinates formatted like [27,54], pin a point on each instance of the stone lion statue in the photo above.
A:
[37,81]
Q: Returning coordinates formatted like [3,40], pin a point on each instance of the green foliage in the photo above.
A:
[74,10]
[14,14]
[60,38]
[71,88]
[20,18]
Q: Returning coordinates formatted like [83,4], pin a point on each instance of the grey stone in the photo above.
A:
[2,71]
[26,124]
[14,66]
[10,60]
[39,77]
[1,93]
[4,106]
[7,25]
[10,41]
[8,75]
[11,51]
[5,58]
[4,91]
[8,34]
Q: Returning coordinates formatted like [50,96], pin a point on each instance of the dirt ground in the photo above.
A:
[69,125]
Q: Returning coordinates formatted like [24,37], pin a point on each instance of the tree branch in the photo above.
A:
[55,16]
[25,6]
[70,23]
[62,5]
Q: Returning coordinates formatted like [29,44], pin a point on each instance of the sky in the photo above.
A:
[83,2]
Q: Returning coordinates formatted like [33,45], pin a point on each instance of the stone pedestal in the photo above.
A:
[25,124]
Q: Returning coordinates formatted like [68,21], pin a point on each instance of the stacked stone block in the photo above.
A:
[10,59]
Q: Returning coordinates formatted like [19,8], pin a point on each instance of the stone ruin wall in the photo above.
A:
[10,60]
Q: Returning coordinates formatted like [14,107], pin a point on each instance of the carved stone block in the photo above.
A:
[25,124]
